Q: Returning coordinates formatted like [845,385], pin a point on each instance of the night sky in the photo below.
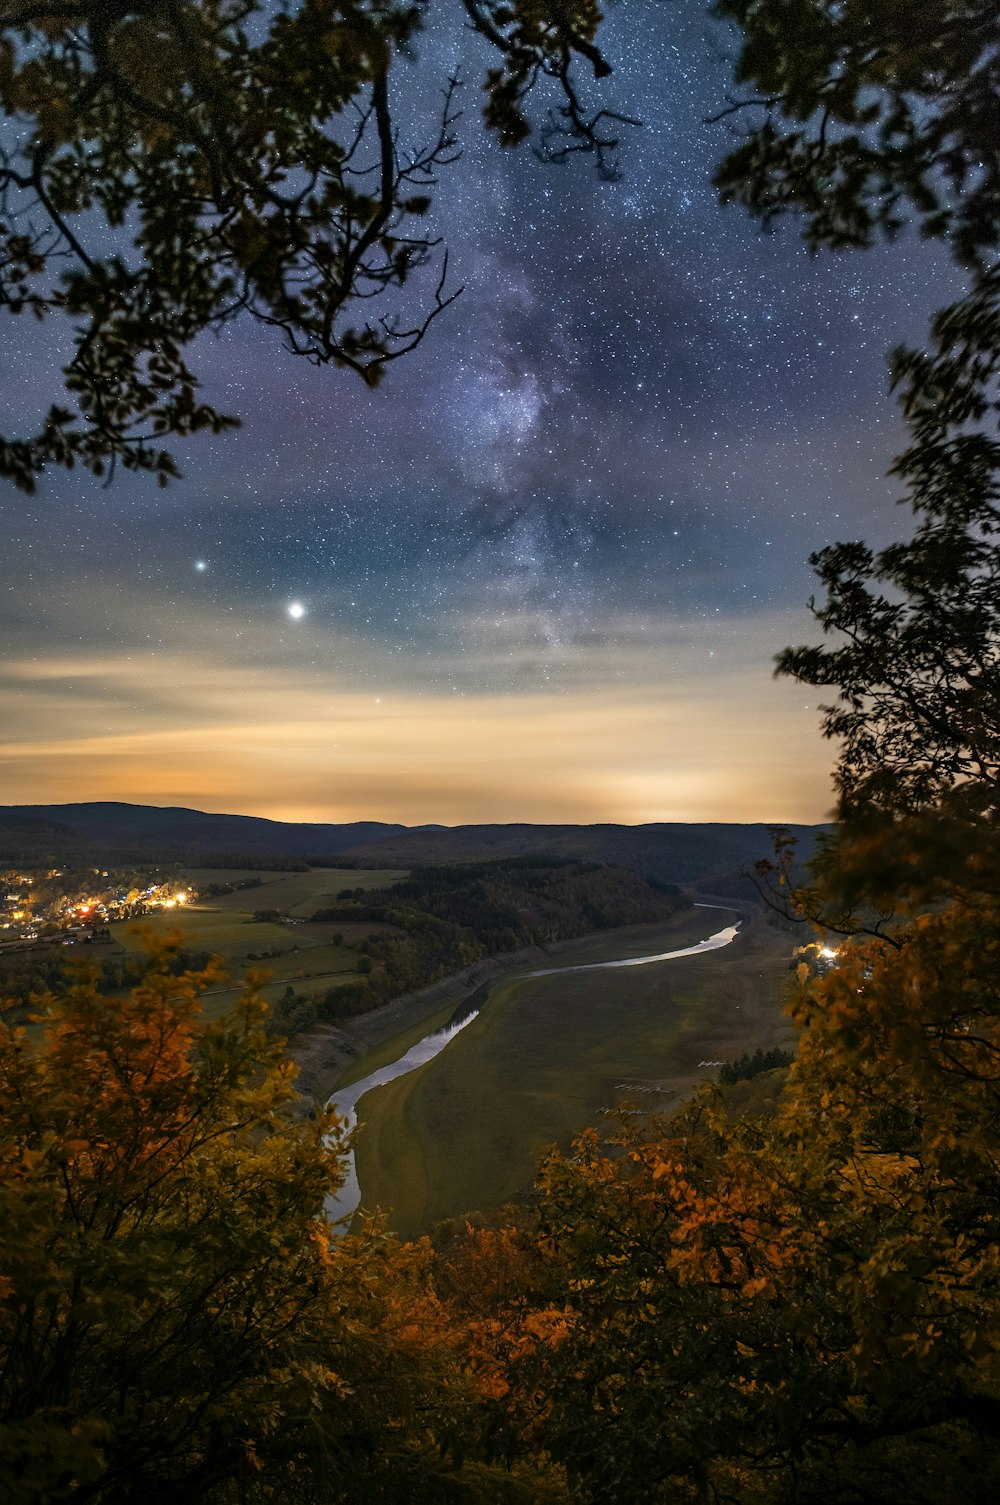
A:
[542,572]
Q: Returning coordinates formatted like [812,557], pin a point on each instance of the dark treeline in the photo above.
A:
[265,862]
[27,976]
[213,890]
[753,1064]
[518,901]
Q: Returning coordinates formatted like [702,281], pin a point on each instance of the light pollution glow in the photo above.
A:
[507,584]
[240,726]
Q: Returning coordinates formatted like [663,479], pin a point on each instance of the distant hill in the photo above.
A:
[674,852]
[702,853]
[151,832]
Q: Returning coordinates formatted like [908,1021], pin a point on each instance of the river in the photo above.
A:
[346,1099]
[712,943]
[348,1198]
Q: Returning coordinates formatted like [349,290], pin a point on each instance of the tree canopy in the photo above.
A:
[804,1306]
[168,166]
[798,1308]
[867,112]
[177,1320]
[859,118]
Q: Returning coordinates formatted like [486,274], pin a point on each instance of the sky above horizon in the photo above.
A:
[539,575]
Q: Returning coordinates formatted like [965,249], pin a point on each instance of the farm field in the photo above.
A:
[351,930]
[232,934]
[241,939]
[296,894]
[311,966]
[218,1001]
[223,925]
[548,1054]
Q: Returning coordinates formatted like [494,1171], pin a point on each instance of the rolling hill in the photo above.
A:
[673,852]
[167,833]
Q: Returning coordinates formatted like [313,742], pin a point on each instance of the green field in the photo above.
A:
[219,1000]
[231,934]
[223,925]
[296,894]
[548,1054]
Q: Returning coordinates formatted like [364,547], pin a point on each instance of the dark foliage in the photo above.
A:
[866,113]
[168,168]
[754,1064]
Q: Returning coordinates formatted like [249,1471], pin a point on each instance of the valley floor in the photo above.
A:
[548,1054]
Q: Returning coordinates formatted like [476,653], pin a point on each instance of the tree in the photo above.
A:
[807,1307]
[867,112]
[912,648]
[864,114]
[176,1319]
[798,1309]
[169,166]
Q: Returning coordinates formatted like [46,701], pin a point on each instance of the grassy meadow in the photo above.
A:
[635,940]
[548,1054]
[223,925]
[232,934]
[295,894]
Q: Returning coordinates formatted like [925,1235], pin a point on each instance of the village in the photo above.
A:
[75,906]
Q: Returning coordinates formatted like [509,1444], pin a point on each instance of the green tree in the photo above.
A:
[913,631]
[168,166]
[861,116]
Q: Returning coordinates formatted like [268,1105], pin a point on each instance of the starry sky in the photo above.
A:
[541,573]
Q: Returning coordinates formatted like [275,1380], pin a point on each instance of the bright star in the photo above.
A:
[201,565]
[296,610]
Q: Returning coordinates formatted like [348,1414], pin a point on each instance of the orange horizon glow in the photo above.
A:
[494,760]
[661,730]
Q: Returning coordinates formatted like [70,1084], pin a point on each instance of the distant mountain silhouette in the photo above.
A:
[676,852]
[172,833]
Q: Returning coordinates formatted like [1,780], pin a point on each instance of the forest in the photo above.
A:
[796,1307]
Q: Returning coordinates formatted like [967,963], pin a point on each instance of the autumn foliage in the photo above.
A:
[697,1308]
[795,1309]
[789,1309]
[177,1321]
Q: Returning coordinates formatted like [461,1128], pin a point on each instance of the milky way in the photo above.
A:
[541,573]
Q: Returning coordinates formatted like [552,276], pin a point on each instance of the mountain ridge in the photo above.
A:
[676,851]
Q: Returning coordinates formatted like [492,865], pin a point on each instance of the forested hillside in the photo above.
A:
[115,833]
[441,919]
[678,852]
[674,852]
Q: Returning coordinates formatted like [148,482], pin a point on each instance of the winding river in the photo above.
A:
[346,1099]
[348,1198]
